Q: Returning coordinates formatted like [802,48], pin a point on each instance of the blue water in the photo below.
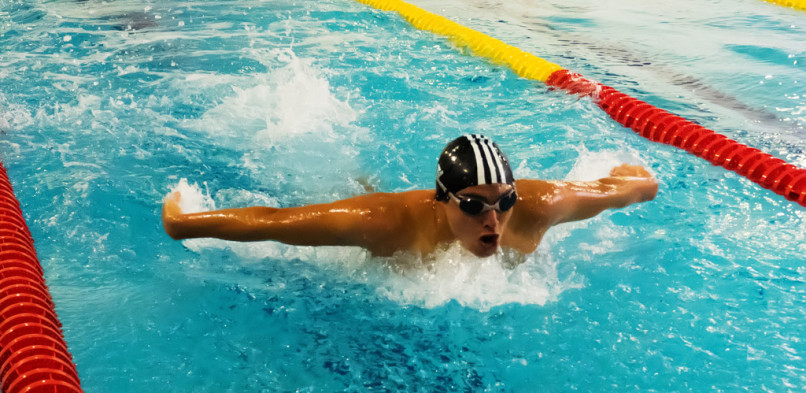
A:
[107,106]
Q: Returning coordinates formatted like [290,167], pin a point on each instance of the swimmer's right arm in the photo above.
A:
[367,221]
[230,224]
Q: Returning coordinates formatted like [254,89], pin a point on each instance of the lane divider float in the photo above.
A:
[33,354]
[796,4]
[648,121]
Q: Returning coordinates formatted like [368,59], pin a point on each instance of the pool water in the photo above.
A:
[105,107]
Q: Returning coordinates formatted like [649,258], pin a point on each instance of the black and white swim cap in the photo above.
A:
[468,161]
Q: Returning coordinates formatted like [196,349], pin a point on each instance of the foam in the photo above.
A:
[455,275]
[293,100]
[193,199]
[597,164]
[60,113]
[278,119]
[13,116]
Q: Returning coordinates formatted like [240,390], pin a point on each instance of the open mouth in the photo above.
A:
[489,240]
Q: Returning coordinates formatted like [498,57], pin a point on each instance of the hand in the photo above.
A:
[170,213]
[627,170]
[643,186]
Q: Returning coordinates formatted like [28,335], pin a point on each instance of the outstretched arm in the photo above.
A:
[365,221]
[627,184]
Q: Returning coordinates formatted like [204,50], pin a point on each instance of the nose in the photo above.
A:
[490,219]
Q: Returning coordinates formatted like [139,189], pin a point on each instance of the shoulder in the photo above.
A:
[391,209]
[537,188]
[545,203]
[396,200]
[534,196]
[416,204]
[532,214]
[398,221]
[386,199]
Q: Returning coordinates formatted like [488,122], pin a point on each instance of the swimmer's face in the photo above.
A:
[480,233]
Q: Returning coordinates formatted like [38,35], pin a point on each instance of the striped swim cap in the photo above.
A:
[468,161]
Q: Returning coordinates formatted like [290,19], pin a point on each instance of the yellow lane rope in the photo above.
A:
[797,4]
[523,63]
[653,123]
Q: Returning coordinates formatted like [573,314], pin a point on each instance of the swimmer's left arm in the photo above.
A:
[626,185]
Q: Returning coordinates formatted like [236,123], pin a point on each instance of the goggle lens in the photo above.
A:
[473,206]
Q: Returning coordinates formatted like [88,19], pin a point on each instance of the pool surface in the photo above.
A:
[105,107]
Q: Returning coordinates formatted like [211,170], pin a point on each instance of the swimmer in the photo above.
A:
[477,203]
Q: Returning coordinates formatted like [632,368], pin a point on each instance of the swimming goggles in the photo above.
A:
[474,206]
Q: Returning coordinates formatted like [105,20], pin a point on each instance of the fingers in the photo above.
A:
[627,170]
[172,197]
[170,205]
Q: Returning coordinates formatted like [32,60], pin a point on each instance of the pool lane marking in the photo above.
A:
[33,353]
[796,4]
[647,120]
[523,63]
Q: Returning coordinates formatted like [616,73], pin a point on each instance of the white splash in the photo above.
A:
[293,100]
[13,116]
[479,283]
[596,165]
[193,199]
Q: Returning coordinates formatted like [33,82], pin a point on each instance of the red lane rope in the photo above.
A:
[33,354]
[658,125]
[661,126]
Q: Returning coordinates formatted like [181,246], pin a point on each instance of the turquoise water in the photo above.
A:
[107,106]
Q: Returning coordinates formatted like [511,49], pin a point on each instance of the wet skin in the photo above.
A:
[413,221]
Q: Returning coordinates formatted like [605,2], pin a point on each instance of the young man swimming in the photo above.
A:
[477,203]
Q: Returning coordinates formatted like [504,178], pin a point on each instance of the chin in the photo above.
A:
[484,252]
